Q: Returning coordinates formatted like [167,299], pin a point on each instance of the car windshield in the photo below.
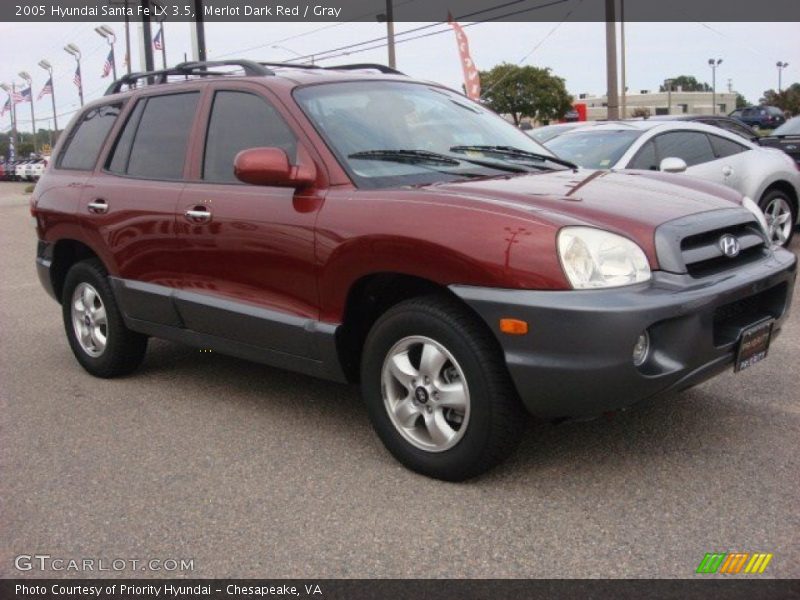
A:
[388,133]
[791,127]
[593,149]
[548,132]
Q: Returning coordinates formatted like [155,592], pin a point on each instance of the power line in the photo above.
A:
[382,43]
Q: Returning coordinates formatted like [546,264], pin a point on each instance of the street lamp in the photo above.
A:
[11,91]
[108,34]
[668,83]
[714,64]
[76,52]
[781,66]
[290,51]
[49,68]
[29,80]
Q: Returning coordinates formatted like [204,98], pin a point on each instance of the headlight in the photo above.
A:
[593,258]
[758,213]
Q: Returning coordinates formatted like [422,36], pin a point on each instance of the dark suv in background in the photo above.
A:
[760,117]
[360,226]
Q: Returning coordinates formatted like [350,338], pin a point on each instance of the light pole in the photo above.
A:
[108,34]
[714,64]
[781,66]
[668,83]
[11,91]
[75,51]
[29,80]
[290,51]
[49,68]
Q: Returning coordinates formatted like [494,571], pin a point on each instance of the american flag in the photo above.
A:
[25,95]
[108,66]
[76,79]
[47,89]
[6,107]
[158,41]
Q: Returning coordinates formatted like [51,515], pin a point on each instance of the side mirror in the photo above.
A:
[672,164]
[270,166]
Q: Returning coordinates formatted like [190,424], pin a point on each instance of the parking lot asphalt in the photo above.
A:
[256,472]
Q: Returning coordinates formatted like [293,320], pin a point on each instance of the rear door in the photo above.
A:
[249,273]
[131,202]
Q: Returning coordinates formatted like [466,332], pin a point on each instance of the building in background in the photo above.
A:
[676,102]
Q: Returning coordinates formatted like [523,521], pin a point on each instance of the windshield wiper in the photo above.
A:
[432,158]
[510,151]
[407,156]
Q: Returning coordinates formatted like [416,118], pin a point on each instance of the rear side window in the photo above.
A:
[692,146]
[724,147]
[240,120]
[87,138]
[154,141]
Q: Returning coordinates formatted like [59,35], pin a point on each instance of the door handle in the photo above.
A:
[727,171]
[198,214]
[98,206]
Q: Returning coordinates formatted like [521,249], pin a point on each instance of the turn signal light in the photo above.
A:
[513,326]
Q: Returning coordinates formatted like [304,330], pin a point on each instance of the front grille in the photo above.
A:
[703,256]
[731,319]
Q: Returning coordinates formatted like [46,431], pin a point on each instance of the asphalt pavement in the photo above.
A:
[250,471]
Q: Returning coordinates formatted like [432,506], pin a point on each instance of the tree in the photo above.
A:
[741,101]
[525,92]
[787,100]
[687,83]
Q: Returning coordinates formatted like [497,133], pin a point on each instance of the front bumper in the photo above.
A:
[577,359]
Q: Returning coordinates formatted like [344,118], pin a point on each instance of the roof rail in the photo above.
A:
[249,67]
[360,66]
[353,67]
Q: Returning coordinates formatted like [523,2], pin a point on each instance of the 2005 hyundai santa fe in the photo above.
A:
[357,225]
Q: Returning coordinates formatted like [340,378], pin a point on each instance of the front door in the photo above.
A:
[249,273]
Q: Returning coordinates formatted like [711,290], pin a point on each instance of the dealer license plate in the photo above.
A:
[754,345]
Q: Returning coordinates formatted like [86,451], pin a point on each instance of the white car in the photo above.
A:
[35,168]
[766,175]
[19,170]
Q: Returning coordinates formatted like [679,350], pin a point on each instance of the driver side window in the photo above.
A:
[691,146]
[646,158]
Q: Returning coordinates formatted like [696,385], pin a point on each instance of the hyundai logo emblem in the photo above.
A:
[729,245]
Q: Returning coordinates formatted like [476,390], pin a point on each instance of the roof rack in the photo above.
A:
[249,67]
[353,67]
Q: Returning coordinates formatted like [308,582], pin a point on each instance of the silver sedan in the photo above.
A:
[766,175]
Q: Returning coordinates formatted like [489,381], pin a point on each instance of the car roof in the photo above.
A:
[286,74]
[650,124]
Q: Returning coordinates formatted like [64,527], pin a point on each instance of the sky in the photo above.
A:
[574,51]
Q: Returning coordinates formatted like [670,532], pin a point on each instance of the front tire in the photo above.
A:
[94,326]
[437,390]
[781,215]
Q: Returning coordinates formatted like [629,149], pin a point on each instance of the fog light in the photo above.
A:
[641,349]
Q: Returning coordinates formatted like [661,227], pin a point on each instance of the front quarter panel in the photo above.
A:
[361,233]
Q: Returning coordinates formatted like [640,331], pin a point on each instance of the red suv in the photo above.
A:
[360,226]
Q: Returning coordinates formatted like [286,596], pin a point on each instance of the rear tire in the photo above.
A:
[781,214]
[438,391]
[93,322]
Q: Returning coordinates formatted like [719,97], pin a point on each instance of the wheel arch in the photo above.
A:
[367,299]
[67,252]
[787,188]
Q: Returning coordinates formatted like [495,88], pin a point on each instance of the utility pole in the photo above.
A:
[668,83]
[147,35]
[198,33]
[45,64]
[390,33]
[714,64]
[612,93]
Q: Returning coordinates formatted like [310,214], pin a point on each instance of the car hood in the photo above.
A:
[622,201]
